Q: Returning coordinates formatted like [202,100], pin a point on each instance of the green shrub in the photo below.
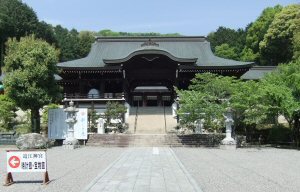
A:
[279,134]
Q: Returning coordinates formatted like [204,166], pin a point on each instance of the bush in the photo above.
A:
[280,134]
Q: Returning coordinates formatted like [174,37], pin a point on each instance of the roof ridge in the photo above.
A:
[153,38]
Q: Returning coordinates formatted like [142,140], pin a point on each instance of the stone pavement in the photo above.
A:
[243,170]
[145,169]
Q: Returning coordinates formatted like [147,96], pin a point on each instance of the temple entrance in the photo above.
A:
[151,96]
[149,80]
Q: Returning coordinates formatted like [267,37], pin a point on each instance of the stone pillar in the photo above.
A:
[174,109]
[199,126]
[100,126]
[127,112]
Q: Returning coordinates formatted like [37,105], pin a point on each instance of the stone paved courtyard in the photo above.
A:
[163,169]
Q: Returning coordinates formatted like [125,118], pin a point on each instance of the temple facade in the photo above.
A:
[141,71]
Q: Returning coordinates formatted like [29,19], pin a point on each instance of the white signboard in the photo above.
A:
[80,128]
[26,161]
[58,128]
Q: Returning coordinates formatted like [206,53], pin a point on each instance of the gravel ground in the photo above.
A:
[243,170]
[69,170]
[215,170]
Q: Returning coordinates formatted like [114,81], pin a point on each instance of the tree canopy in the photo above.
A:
[277,45]
[258,29]
[30,65]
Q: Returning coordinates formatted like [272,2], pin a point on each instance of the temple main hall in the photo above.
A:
[142,71]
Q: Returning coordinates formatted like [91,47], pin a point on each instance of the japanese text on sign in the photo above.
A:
[26,161]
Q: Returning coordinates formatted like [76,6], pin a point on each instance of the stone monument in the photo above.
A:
[71,142]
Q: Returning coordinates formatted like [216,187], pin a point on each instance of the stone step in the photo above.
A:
[126,140]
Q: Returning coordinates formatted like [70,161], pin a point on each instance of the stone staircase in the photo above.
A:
[171,122]
[154,140]
[131,119]
[150,120]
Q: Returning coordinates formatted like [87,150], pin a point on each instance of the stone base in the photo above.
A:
[71,146]
[71,143]
[228,141]
[228,147]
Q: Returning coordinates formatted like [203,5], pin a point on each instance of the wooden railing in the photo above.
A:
[94,96]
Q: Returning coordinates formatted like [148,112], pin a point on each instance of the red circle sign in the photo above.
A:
[14,162]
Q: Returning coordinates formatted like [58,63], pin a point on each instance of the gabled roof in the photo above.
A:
[257,72]
[107,51]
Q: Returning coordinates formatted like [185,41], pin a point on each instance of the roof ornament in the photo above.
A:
[150,42]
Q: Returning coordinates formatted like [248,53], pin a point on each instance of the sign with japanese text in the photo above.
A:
[58,128]
[80,127]
[26,161]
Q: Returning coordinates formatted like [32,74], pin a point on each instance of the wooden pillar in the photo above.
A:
[81,84]
[102,88]
[159,99]
[144,100]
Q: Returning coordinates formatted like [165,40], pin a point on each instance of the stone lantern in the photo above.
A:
[71,142]
[228,140]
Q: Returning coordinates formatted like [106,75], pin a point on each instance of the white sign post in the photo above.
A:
[19,161]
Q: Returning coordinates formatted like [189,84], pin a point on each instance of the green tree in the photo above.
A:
[30,66]
[114,110]
[248,55]
[277,45]
[16,20]
[207,98]
[7,112]
[285,95]
[86,38]
[67,42]
[296,44]
[225,51]
[223,35]
[258,29]
[249,106]
[45,31]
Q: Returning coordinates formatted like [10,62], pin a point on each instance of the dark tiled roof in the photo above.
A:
[257,72]
[106,51]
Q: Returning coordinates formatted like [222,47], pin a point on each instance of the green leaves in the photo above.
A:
[114,110]
[277,45]
[7,108]
[30,66]
[225,51]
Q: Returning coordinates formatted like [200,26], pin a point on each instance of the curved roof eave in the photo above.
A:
[150,51]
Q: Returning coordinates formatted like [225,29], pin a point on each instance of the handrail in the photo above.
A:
[163,103]
[136,117]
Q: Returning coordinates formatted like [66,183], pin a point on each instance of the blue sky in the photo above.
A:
[189,17]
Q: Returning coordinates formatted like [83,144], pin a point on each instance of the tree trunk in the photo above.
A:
[35,121]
